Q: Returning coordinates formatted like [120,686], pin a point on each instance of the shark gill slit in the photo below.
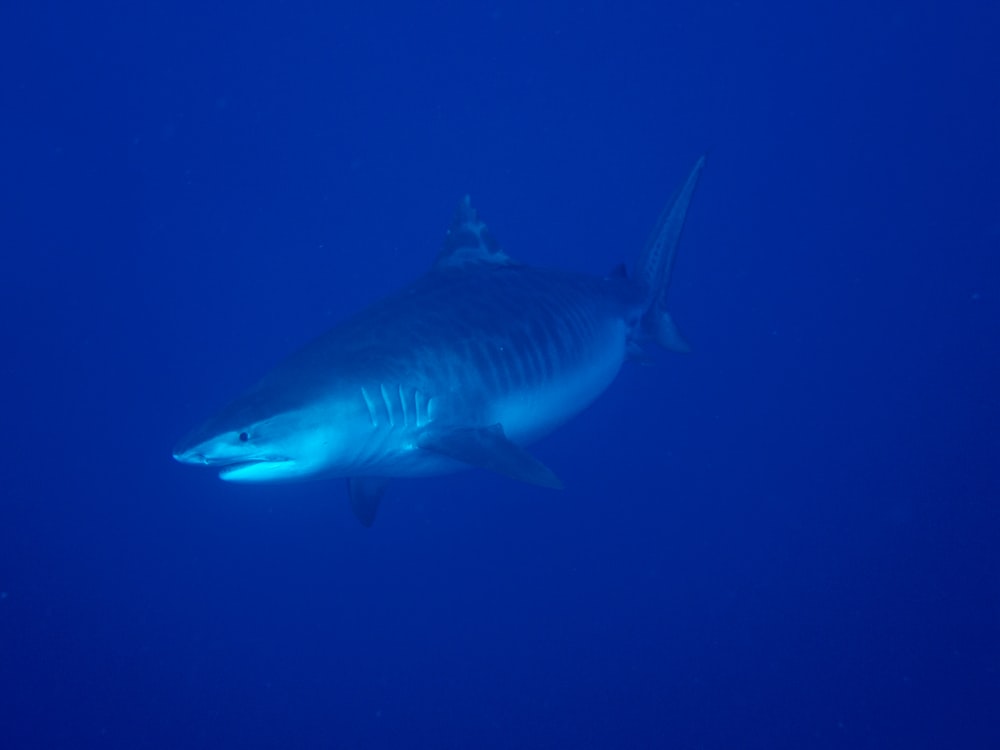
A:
[370,405]
[417,419]
[388,404]
[402,404]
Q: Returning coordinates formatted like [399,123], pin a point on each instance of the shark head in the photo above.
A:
[251,441]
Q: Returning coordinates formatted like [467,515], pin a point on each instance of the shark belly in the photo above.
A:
[531,413]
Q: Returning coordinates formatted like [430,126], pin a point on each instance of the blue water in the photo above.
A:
[786,539]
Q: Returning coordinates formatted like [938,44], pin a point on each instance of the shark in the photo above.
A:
[464,367]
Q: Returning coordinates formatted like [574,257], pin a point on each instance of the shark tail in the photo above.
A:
[656,264]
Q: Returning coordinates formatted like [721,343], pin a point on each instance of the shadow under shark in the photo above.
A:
[474,360]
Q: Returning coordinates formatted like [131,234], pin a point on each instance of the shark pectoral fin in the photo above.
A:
[366,493]
[489,448]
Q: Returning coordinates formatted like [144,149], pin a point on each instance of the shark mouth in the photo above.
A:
[256,470]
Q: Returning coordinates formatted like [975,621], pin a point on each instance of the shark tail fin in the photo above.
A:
[656,264]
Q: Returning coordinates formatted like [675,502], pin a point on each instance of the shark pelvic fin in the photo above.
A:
[489,448]
[366,494]
[665,332]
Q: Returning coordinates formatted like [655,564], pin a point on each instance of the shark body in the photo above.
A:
[473,361]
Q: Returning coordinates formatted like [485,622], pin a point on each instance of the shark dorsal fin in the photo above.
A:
[469,241]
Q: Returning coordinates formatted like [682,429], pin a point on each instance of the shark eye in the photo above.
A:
[244,437]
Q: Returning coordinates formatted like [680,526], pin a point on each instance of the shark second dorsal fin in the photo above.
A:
[469,241]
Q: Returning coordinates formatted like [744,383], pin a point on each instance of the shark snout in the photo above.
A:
[189,456]
[202,455]
[234,462]
[191,449]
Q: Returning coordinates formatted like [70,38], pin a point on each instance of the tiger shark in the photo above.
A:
[466,366]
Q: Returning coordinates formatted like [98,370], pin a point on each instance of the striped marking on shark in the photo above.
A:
[464,367]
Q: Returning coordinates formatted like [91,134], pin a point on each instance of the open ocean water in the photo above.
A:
[789,538]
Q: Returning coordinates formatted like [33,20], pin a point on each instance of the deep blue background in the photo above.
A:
[787,539]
